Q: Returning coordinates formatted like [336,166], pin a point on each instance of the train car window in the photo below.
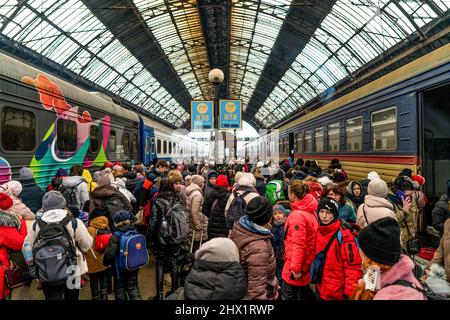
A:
[170,147]
[134,147]
[153,147]
[298,142]
[353,133]
[112,141]
[286,145]
[147,147]
[94,135]
[165,147]
[384,129]
[126,144]
[18,130]
[175,148]
[318,135]
[308,141]
[333,137]
[66,131]
[159,146]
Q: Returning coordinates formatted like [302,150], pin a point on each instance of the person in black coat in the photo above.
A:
[216,274]
[31,194]
[165,253]
[128,282]
[441,211]
[215,208]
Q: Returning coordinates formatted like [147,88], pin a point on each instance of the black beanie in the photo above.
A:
[279,175]
[406,172]
[380,241]
[330,205]
[259,210]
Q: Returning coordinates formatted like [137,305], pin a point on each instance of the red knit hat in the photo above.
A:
[420,180]
[108,164]
[315,188]
[222,181]
[5,201]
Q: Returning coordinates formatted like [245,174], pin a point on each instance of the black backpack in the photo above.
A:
[237,208]
[54,252]
[70,194]
[426,291]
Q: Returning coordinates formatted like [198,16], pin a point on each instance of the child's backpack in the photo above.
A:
[175,223]
[113,204]
[133,252]
[54,252]
[102,237]
[236,209]
[70,194]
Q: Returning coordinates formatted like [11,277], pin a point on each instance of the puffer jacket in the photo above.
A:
[82,194]
[441,212]
[197,220]
[13,189]
[12,234]
[442,254]
[94,258]
[407,220]
[346,212]
[31,195]
[158,209]
[81,237]
[260,184]
[215,278]
[217,224]
[342,268]
[402,270]
[372,209]
[300,242]
[89,181]
[257,258]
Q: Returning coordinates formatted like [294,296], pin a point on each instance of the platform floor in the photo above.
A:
[146,286]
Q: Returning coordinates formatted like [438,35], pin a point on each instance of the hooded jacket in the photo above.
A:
[216,273]
[406,220]
[256,257]
[132,180]
[441,212]
[82,194]
[101,193]
[12,234]
[197,220]
[120,184]
[342,268]
[89,181]
[374,208]
[442,254]
[31,195]
[299,246]
[356,201]
[13,189]
[217,224]
[94,258]
[402,270]
[81,237]
[208,187]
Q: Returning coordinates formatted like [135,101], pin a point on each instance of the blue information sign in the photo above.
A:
[202,115]
[230,114]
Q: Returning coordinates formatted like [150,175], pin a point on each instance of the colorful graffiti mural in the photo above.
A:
[5,171]
[47,159]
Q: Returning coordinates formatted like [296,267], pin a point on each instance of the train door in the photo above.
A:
[435,142]
[291,145]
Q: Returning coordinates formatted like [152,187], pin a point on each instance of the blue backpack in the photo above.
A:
[132,251]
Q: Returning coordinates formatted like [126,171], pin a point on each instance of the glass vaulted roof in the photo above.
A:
[68,33]
[354,33]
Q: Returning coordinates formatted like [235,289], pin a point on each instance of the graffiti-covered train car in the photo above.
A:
[47,123]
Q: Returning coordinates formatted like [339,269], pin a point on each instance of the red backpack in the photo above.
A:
[102,237]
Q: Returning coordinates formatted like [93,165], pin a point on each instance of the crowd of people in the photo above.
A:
[290,231]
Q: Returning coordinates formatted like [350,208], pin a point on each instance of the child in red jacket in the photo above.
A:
[342,268]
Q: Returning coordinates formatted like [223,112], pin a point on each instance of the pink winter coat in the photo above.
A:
[403,270]
[13,189]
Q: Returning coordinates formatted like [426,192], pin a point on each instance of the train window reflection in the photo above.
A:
[158,146]
[126,144]
[308,141]
[384,129]
[18,130]
[353,133]
[333,137]
[298,142]
[318,135]
[112,141]
[66,135]
[94,135]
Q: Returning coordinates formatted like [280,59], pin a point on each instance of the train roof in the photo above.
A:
[16,69]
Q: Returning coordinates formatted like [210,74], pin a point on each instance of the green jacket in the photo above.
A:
[274,191]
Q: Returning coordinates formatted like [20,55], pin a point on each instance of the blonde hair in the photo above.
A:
[121,223]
